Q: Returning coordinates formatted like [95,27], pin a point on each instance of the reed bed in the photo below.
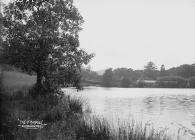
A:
[96,128]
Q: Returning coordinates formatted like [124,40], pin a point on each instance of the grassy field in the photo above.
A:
[13,81]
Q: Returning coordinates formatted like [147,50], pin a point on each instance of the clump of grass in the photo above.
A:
[66,108]
[53,107]
[93,129]
[99,129]
[75,104]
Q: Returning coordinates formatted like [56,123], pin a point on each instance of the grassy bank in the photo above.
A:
[13,81]
[64,115]
[65,120]
[61,116]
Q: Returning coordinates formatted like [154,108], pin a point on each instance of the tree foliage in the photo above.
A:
[1,39]
[181,76]
[107,78]
[119,73]
[186,71]
[172,82]
[150,66]
[192,82]
[125,82]
[88,74]
[150,70]
[42,37]
[162,70]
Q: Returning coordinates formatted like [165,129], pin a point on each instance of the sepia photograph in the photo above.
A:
[97,69]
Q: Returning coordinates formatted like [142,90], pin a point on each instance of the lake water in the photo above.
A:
[170,109]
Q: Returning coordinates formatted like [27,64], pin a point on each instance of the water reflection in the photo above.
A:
[171,108]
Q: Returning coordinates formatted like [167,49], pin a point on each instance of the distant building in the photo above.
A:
[146,83]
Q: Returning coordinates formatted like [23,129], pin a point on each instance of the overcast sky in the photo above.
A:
[129,33]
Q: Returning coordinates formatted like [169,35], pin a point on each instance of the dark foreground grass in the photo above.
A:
[65,119]
[61,116]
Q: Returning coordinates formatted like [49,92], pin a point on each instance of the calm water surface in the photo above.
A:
[173,109]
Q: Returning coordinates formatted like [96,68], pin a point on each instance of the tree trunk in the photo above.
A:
[39,79]
[39,82]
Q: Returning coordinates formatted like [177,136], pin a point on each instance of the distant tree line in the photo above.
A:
[182,76]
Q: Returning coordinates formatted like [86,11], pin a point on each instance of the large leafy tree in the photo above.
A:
[41,36]
[150,70]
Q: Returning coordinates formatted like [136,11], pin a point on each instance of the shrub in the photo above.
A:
[125,82]
[93,129]
[141,84]
[75,104]
[192,82]
[172,82]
